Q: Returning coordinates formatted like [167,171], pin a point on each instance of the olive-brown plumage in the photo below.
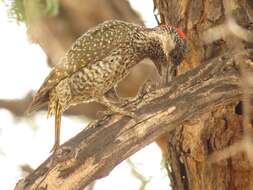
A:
[99,59]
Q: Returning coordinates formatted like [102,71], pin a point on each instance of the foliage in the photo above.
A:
[25,10]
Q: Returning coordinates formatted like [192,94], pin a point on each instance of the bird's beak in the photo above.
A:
[159,67]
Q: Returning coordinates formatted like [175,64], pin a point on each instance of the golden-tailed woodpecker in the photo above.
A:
[100,59]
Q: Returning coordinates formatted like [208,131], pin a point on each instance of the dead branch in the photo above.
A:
[95,151]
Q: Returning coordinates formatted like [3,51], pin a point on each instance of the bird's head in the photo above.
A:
[173,42]
[178,37]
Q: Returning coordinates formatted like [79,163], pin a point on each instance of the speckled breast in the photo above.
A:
[98,78]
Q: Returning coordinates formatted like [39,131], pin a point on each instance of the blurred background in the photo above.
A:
[34,36]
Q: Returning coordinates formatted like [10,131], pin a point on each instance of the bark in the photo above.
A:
[95,151]
[187,148]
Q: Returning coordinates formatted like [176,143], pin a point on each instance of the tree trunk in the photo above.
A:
[189,146]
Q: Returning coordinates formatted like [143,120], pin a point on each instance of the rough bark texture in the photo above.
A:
[188,147]
[95,151]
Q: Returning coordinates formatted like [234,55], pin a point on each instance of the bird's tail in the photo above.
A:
[37,103]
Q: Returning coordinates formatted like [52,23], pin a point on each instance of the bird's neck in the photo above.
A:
[155,46]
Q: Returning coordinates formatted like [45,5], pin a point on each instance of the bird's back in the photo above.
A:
[91,47]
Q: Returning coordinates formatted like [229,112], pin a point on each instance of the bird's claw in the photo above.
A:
[130,114]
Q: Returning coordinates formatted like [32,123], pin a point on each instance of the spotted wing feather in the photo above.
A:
[92,46]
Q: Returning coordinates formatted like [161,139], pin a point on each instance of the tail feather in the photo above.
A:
[37,103]
[41,98]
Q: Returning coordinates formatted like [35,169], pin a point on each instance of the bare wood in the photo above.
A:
[95,151]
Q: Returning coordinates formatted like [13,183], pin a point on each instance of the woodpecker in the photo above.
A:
[101,58]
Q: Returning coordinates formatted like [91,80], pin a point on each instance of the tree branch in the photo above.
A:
[95,151]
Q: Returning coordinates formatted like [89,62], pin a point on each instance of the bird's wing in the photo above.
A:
[92,46]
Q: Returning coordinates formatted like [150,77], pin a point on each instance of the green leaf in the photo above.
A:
[52,7]
[16,10]
[30,10]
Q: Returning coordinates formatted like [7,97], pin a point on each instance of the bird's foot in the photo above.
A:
[123,101]
[120,111]
[126,113]
[147,87]
[116,99]
[115,109]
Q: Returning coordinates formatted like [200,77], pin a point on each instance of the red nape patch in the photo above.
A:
[180,32]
